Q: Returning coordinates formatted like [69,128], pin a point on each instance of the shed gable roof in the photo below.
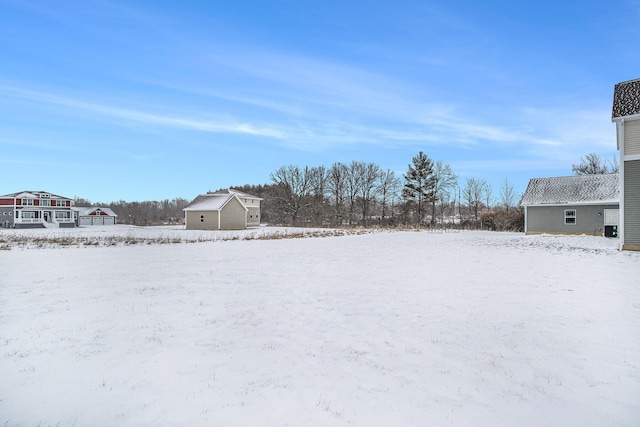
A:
[626,99]
[210,202]
[580,189]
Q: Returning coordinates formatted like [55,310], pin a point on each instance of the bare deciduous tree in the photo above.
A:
[488,197]
[593,164]
[291,189]
[444,180]
[336,187]
[318,183]
[473,194]
[369,188]
[389,184]
[355,172]
[507,195]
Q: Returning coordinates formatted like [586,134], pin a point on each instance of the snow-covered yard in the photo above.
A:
[385,328]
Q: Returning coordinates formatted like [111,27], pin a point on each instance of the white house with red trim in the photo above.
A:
[89,216]
[36,209]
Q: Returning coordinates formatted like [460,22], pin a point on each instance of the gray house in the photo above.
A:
[582,204]
[626,116]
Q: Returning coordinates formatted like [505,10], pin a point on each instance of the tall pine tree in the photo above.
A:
[419,184]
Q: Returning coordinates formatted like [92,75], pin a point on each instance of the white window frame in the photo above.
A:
[570,217]
[27,202]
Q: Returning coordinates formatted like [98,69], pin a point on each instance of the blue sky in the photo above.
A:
[148,100]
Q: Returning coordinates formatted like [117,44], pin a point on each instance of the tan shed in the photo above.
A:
[215,212]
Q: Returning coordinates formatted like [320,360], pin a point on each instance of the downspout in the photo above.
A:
[525,219]
[620,140]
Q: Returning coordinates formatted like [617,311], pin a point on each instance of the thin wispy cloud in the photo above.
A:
[145,117]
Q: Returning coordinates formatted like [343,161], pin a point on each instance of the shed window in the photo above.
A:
[570,217]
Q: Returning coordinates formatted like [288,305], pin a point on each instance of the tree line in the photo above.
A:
[428,194]
[361,193]
[143,213]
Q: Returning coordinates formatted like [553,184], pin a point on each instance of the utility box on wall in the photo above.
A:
[611,222]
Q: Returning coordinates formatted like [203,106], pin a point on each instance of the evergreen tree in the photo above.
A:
[419,187]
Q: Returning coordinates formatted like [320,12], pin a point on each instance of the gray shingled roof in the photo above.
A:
[580,189]
[626,99]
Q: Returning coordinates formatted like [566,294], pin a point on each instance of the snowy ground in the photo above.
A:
[403,328]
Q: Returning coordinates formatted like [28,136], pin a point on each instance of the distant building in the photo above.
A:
[89,216]
[223,210]
[626,116]
[35,209]
[582,204]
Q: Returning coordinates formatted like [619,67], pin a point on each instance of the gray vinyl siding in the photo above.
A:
[632,202]
[631,137]
[550,219]
[6,216]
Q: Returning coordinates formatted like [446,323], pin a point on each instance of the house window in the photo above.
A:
[61,203]
[27,202]
[201,218]
[570,217]
[45,202]
[63,215]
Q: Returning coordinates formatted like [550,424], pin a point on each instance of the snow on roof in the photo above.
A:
[237,193]
[580,189]
[626,99]
[85,210]
[34,194]
[209,202]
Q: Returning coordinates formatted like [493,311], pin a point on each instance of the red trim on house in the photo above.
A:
[6,202]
